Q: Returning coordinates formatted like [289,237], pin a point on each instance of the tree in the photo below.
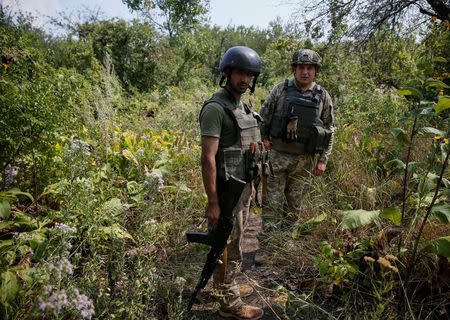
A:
[171,16]
[366,17]
[133,48]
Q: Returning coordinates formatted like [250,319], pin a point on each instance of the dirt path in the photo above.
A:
[257,276]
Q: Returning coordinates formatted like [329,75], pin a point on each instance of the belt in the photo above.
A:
[288,147]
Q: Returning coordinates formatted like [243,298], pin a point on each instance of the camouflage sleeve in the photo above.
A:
[327,117]
[268,108]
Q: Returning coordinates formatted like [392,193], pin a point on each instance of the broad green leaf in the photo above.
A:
[439,246]
[133,187]
[430,131]
[28,275]
[24,222]
[436,83]
[430,182]
[400,135]
[441,212]
[439,59]
[308,226]
[423,111]
[5,244]
[425,66]
[406,119]
[130,157]
[116,231]
[394,165]
[392,214]
[112,207]
[13,193]
[443,104]
[410,92]
[35,238]
[413,166]
[6,224]
[358,218]
[5,209]
[10,286]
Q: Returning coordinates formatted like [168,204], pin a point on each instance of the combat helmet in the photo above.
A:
[306,56]
[240,57]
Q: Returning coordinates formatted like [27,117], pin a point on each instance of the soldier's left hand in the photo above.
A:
[253,191]
[319,169]
[291,130]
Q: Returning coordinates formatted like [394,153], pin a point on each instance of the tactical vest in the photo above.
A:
[305,107]
[234,160]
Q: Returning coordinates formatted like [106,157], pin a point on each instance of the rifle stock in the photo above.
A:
[198,237]
[218,236]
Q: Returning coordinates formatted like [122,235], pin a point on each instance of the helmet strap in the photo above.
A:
[223,78]
[221,82]
[253,86]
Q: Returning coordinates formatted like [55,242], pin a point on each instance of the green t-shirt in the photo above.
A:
[216,122]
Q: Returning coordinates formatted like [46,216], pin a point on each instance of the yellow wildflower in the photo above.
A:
[393,269]
[384,262]
[369,259]
[281,299]
[391,257]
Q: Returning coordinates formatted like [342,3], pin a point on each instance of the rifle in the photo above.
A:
[218,236]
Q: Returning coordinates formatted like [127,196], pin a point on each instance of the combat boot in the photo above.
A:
[243,312]
[244,290]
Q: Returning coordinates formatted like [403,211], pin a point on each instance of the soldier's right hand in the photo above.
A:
[212,212]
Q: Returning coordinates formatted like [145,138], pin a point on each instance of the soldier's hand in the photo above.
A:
[291,130]
[212,212]
[319,169]
[253,191]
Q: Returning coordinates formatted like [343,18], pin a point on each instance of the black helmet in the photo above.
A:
[241,57]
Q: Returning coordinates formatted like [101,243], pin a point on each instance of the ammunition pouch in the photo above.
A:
[319,139]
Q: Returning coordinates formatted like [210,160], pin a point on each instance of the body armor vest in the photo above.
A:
[235,159]
[304,108]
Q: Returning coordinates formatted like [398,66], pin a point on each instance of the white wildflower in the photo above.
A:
[65,229]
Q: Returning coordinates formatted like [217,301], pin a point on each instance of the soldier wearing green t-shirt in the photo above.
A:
[228,128]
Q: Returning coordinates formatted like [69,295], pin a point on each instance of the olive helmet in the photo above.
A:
[241,57]
[306,56]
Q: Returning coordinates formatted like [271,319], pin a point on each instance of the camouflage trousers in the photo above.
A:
[227,293]
[285,191]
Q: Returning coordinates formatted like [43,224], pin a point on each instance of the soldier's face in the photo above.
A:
[240,80]
[304,74]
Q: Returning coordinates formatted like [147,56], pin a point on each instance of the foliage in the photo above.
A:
[177,16]
[334,266]
[132,47]
[363,19]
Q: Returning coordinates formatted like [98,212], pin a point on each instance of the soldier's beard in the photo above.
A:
[238,89]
